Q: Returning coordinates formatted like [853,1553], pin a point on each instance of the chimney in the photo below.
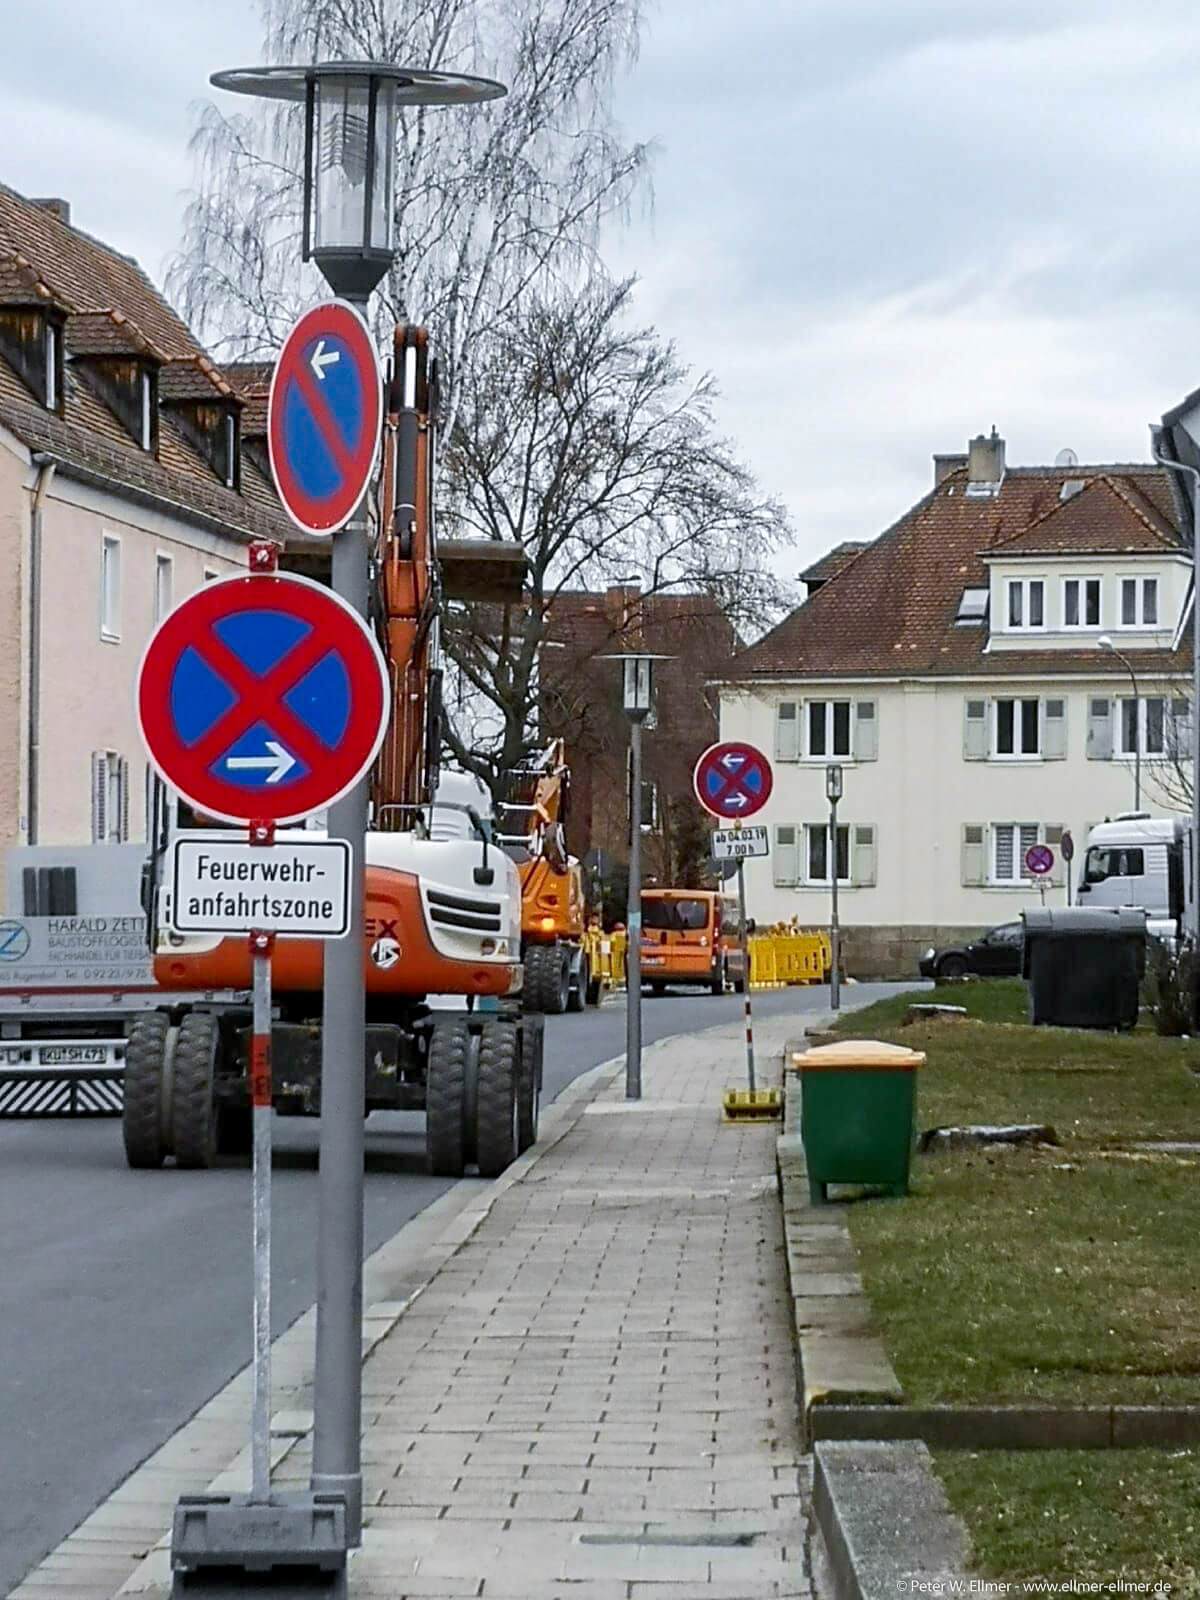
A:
[60,208]
[985,463]
[622,601]
[943,466]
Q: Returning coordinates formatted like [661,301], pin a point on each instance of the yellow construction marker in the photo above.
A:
[752,1105]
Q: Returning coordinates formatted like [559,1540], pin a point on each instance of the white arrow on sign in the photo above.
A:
[278,764]
[318,361]
[731,761]
[738,799]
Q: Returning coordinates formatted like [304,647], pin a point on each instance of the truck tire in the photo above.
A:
[496,1105]
[529,1084]
[142,1110]
[445,1096]
[531,998]
[556,980]
[193,1107]
[578,990]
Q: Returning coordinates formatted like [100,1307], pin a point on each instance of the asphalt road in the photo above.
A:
[126,1295]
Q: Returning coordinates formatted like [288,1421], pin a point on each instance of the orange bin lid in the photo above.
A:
[858,1055]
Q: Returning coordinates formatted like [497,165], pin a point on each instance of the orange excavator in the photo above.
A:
[442,935]
[533,819]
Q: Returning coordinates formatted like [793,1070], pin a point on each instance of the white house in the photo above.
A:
[954,667]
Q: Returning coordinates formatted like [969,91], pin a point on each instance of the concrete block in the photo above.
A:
[851,1366]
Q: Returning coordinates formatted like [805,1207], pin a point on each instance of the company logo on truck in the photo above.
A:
[14,941]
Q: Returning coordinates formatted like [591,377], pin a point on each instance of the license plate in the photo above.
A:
[653,961]
[73,1055]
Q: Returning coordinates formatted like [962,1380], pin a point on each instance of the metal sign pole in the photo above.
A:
[741,877]
[633,947]
[835,976]
[260,1096]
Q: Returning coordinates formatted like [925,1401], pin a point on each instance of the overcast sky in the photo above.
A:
[884,225]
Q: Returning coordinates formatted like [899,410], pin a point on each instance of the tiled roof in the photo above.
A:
[252,381]
[114,309]
[892,611]
[1104,517]
[833,562]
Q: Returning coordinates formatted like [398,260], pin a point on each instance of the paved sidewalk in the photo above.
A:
[595,1396]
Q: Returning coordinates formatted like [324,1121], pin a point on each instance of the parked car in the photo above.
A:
[995,954]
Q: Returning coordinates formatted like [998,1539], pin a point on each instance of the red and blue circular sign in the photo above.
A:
[262,699]
[1039,859]
[324,416]
[732,780]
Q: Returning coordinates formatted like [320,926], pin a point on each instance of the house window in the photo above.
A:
[147,425]
[1010,841]
[52,357]
[1018,728]
[818,853]
[1026,603]
[1141,726]
[164,586]
[231,450]
[829,728]
[972,606]
[1139,602]
[110,588]
[1081,602]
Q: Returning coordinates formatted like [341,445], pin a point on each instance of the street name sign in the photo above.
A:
[324,416]
[1039,859]
[739,844]
[732,780]
[262,699]
[297,888]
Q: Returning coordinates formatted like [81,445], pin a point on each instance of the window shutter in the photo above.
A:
[866,731]
[1099,735]
[1054,835]
[123,790]
[787,731]
[99,797]
[975,730]
[786,857]
[974,867]
[862,862]
[1054,730]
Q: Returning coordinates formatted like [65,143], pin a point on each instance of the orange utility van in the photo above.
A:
[690,936]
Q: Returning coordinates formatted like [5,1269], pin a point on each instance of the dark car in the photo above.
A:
[995,954]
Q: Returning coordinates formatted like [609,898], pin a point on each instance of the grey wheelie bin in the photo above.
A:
[1084,967]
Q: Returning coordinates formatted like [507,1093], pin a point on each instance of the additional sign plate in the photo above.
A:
[296,887]
[732,780]
[739,844]
[1039,859]
[262,699]
[324,416]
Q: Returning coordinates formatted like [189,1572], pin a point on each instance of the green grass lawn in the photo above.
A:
[1055,1275]
[1093,1515]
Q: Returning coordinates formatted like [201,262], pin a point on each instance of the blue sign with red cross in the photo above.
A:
[324,416]
[732,780]
[262,699]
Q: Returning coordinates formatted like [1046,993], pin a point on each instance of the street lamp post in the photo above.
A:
[1105,643]
[833,793]
[351,113]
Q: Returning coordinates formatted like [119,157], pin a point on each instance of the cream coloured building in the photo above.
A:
[954,668]
[132,470]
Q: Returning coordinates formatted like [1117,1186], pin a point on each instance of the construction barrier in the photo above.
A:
[779,960]
[606,953]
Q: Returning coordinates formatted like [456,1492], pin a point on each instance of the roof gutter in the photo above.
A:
[145,497]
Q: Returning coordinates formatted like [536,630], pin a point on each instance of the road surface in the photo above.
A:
[126,1295]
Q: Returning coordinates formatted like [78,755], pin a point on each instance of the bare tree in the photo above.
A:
[584,438]
[489,200]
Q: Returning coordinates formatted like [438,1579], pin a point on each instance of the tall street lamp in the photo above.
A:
[833,793]
[1105,643]
[637,700]
[351,116]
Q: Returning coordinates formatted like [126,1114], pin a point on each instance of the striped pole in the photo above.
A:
[746,976]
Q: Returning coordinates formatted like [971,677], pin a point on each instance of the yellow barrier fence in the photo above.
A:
[778,960]
[606,953]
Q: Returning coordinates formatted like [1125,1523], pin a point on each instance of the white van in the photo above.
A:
[1139,860]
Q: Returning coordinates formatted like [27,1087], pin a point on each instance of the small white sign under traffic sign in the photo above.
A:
[739,844]
[297,888]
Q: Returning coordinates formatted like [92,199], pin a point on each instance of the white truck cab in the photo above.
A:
[1140,860]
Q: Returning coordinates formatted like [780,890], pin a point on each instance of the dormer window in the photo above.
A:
[147,395]
[230,435]
[972,605]
[1081,602]
[1139,602]
[53,365]
[31,343]
[1026,604]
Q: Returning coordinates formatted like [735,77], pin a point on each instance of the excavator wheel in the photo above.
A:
[193,1107]
[500,1066]
[531,998]
[556,980]
[529,1083]
[577,992]
[142,1111]
[450,1046]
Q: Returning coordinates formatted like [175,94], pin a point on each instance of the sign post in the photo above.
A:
[1068,855]
[262,700]
[733,781]
[833,793]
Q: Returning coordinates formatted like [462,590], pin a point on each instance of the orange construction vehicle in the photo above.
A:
[533,820]
[442,902]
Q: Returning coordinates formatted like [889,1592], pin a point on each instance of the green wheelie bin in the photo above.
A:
[858,1105]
